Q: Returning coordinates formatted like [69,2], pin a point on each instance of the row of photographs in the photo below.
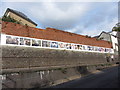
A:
[52,44]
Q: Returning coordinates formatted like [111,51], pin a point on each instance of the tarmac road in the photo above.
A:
[107,78]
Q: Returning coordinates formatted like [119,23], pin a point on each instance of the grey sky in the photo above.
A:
[86,18]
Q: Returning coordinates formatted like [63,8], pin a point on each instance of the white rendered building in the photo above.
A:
[111,37]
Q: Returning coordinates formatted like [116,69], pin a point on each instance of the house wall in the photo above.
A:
[23,21]
[111,38]
[118,45]
[114,41]
[105,37]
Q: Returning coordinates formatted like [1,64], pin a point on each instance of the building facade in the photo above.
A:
[111,37]
[20,17]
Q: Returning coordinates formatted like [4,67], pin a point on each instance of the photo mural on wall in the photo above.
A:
[25,41]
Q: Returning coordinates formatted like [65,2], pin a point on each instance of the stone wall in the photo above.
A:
[28,67]
[15,58]
[47,78]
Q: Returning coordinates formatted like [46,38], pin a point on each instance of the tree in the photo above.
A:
[9,19]
[116,27]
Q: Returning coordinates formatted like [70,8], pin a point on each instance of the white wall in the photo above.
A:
[105,37]
[99,49]
[114,40]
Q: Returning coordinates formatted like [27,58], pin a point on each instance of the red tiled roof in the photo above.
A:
[51,34]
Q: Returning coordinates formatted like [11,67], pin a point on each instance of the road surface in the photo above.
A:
[107,78]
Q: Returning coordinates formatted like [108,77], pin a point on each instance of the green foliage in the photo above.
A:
[116,27]
[63,70]
[9,19]
[97,39]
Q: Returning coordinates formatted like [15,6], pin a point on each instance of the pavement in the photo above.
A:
[107,78]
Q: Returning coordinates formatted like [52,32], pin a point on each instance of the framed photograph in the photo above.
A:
[54,44]
[102,49]
[89,48]
[80,47]
[61,45]
[95,48]
[105,49]
[68,46]
[21,41]
[76,46]
[84,47]
[99,49]
[12,40]
[8,40]
[109,50]
[45,43]
[73,46]
[92,48]
[27,41]
[36,42]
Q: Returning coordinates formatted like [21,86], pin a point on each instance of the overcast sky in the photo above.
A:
[85,18]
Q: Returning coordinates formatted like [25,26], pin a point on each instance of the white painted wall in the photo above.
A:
[114,40]
[105,37]
[109,50]
[110,36]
